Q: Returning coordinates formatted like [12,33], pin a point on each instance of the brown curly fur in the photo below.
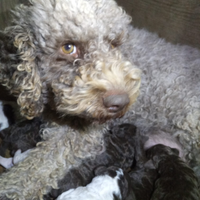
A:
[35,80]
[67,90]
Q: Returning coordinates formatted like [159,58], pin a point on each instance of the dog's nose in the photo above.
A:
[116,102]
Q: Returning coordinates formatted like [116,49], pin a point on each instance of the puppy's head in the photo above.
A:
[67,56]
[117,174]
[159,152]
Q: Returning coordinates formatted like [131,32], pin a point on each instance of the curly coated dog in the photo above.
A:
[78,65]
[123,145]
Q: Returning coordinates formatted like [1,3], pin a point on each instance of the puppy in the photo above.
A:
[123,148]
[109,184]
[176,180]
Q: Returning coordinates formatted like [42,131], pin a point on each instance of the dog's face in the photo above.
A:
[70,59]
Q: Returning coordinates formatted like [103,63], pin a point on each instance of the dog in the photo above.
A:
[142,180]
[77,101]
[108,184]
[22,135]
[123,149]
[176,179]
[77,65]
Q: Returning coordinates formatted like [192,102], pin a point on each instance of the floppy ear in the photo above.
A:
[175,151]
[19,70]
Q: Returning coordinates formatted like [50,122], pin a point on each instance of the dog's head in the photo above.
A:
[160,152]
[67,55]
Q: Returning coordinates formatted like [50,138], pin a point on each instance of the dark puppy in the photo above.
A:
[143,174]
[176,180]
[122,143]
[23,135]
[142,181]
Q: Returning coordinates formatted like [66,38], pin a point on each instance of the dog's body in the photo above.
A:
[123,144]
[169,94]
[176,179]
[74,63]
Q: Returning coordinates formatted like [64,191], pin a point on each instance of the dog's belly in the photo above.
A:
[169,96]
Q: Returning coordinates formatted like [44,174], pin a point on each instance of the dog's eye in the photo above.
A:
[69,49]
[112,46]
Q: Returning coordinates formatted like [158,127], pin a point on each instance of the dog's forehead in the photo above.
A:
[78,20]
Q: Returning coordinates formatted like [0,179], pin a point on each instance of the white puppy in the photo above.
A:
[102,187]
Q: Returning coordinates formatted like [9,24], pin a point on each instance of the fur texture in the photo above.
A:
[107,185]
[78,64]
[123,145]
[176,180]
[169,93]
[142,181]
[74,91]
[23,135]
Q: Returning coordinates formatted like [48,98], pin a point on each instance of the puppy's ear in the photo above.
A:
[19,72]
[175,151]
[100,170]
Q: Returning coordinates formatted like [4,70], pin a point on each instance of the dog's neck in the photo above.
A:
[75,122]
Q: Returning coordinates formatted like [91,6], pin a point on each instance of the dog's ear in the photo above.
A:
[19,72]
[175,151]
[100,170]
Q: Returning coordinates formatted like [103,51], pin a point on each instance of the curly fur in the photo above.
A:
[122,144]
[45,80]
[110,183]
[176,179]
[67,90]
[142,182]
[79,83]
[169,94]
[61,149]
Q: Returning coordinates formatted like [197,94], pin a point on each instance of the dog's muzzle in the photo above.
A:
[116,102]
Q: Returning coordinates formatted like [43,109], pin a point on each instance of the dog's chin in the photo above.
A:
[99,115]
[100,118]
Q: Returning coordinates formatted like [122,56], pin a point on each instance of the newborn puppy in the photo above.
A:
[143,174]
[123,144]
[176,180]
[109,184]
[23,135]
[142,181]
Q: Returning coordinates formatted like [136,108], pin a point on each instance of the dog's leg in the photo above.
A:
[62,149]
[6,162]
